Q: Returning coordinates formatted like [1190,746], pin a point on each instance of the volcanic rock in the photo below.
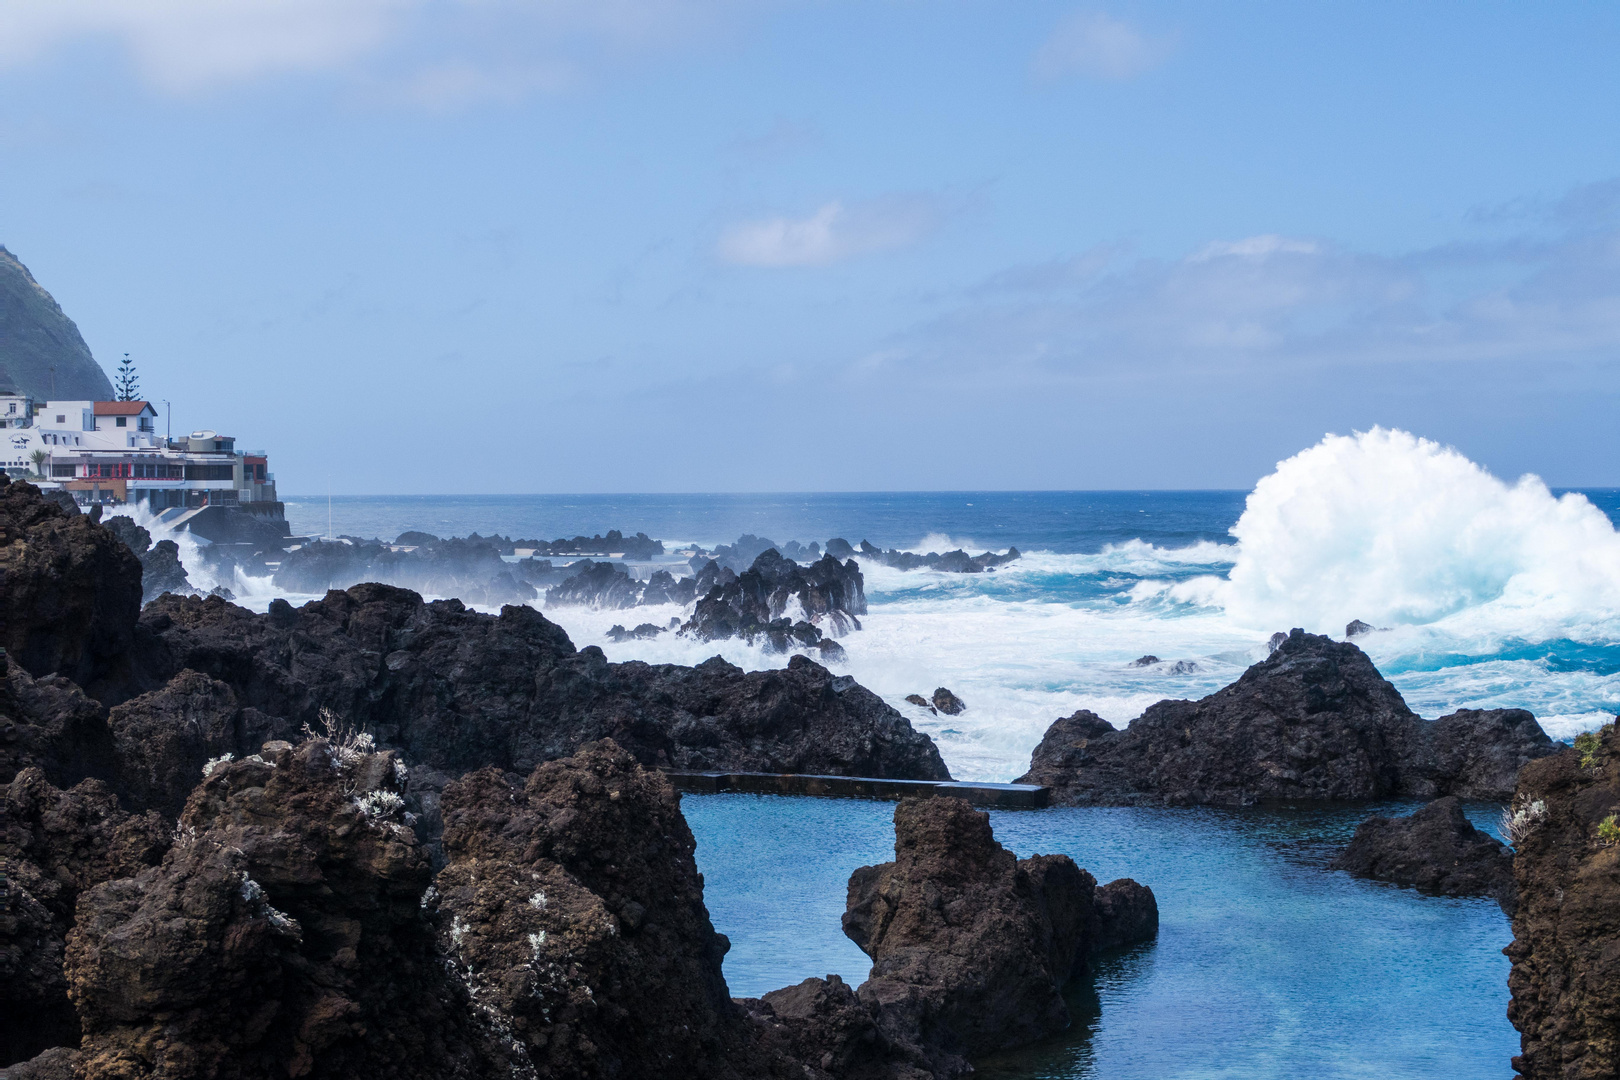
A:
[164,738]
[971,947]
[1437,850]
[72,589]
[573,907]
[1356,628]
[284,934]
[55,845]
[458,690]
[951,562]
[948,703]
[826,596]
[596,585]
[1145,661]
[644,632]
[922,703]
[1314,720]
[1566,929]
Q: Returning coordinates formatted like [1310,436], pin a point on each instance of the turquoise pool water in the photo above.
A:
[1267,964]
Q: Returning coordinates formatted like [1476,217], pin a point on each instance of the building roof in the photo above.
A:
[123,408]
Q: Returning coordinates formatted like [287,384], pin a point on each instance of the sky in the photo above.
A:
[421,246]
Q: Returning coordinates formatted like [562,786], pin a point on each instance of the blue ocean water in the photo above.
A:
[1482,593]
[1268,965]
[1504,618]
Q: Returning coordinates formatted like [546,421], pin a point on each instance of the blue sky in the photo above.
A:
[647,245]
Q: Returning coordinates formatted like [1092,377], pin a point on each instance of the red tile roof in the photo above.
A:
[123,408]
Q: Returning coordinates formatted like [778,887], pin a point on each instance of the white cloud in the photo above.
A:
[1101,47]
[1255,247]
[832,233]
[434,51]
[181,44]
[1273,305]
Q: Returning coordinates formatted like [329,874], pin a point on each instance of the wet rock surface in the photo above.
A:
[951,562]
[1566,929]
[161,571]
[948,703]
[1436,850]
[779,602]
[1314,720]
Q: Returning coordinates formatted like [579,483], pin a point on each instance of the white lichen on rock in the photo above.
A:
[213,763]
[1520,823]
[379,804]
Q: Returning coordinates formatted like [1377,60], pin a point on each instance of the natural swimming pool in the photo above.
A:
[1267,963]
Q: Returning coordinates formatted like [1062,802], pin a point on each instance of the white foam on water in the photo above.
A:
[1396,530]
[1466,571]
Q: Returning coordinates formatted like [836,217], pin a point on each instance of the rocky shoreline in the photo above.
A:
[1314,720]
[374,836]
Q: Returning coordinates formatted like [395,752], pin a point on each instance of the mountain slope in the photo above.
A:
[36,336]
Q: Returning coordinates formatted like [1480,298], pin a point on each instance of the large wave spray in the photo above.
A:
[1396,530]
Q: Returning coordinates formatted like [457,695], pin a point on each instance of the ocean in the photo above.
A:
[1485,594]
[1482,592]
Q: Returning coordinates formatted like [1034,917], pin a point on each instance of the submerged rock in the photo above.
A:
[1437,850]
[948,703]
[1566,929]
[644,632]
[1145,661]
[1314,720]
[921,702]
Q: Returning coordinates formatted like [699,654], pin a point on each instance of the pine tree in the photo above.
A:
[127,383]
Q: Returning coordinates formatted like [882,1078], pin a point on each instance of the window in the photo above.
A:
[62,470]
[123,421]
[61,418]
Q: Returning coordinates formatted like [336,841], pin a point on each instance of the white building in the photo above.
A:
[110,452]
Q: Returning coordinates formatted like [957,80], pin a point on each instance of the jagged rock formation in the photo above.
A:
[596,585]
[283,935]
[779,602]
[642,632]
[1566,929]
[72,590]
[289,922]
[971,946]
[161,571]
[44,354]
[1437,850]
[458,690]
[948,703]
[470,569]
[56,844]
[1314,720]
[951,562]
[572,906]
